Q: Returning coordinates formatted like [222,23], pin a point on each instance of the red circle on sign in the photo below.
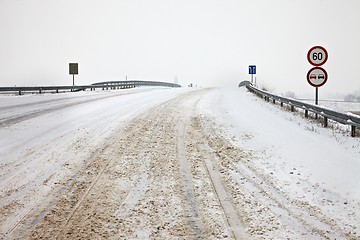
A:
[317,76]
[311,61]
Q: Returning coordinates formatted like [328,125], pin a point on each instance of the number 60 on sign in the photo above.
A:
[317,56]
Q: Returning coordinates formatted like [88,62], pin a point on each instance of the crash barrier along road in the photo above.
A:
[102,85]
[350,119]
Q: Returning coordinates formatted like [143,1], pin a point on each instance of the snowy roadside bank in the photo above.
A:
[314,165]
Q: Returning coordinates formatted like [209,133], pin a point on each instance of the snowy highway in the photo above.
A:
[160,163]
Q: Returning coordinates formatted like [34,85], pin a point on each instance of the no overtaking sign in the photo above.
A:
[317,76]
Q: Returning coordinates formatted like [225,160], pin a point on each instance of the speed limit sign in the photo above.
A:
[317,56]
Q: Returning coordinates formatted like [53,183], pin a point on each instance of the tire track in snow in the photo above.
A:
[26,190]
[134,193]
[94,182]
[304,220]
[141,184]
[224,199]
[160,125]
[135,187]
[72,182]
[194,220]
[194,137]
[34,201]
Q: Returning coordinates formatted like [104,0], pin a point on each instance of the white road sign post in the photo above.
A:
[317,76]
[252,71]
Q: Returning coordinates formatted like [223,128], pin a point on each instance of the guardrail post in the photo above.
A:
[325,121]
[353,130]
[292,108]
[273,101]
[19,92]
[281,104]
[306,113]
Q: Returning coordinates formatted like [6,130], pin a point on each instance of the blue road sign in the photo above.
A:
[252,69]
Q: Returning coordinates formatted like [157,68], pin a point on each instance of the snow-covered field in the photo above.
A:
[152,163]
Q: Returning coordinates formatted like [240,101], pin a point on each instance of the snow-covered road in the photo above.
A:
[172,164]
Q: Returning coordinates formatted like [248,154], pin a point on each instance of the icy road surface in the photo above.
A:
[172,164]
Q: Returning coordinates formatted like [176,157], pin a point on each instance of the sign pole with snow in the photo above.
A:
[317,76]
[73,69]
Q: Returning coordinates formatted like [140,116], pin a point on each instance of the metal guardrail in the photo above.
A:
[326,113]
[103,85]
[136,83]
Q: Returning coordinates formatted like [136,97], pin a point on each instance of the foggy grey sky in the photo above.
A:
[205,42]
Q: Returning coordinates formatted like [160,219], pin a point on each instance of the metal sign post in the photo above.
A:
[73,69]
[252,71]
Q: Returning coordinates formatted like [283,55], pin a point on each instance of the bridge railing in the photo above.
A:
[350,119]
